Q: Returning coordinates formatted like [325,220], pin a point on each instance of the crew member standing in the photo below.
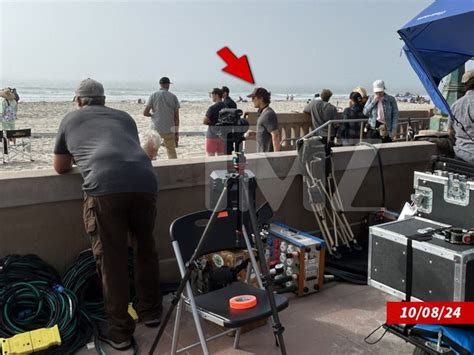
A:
[227,100]
[267,135]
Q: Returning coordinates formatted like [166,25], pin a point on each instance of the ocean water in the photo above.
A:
[64,91]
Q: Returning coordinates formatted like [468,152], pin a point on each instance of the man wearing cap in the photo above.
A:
[321,111]
[382,110]
[227,99]
[214,144]
[463,110]
[163,108]
[120,192]
[267,135]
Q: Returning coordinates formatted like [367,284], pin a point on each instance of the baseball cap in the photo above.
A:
[90,88]
[216,91]
[165,80]
[379,86]
[361,91]
[259,92]
[467,76]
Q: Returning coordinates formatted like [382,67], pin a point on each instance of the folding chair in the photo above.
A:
[17,144]
[185,233]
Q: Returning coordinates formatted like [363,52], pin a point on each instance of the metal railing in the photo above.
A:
[362,121]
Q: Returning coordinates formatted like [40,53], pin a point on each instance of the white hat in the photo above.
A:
[379,86]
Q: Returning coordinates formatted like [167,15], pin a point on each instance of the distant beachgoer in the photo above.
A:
[382,110]
[139,101]
[227,99]
[8,109]
[362,93]
[463,110]
[163,108]
[350,132]
[321,111]
[292,97]
[287,97]
[120,192]
[214,144]
[268,134]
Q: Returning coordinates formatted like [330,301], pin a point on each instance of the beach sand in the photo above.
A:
[44,117]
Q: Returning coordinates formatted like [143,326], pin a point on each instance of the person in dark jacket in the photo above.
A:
[350,132]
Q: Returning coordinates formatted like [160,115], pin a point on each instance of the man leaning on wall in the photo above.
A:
[120,191]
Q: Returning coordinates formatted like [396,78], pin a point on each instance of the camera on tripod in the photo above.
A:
[231,126]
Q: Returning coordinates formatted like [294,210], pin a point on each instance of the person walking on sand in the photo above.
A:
[120,193]
[163,108]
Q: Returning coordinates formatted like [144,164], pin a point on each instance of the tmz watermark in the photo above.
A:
[275,175]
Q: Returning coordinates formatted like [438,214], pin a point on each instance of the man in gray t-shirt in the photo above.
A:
[321,111]
[267,135]
[120,192]
[163,108]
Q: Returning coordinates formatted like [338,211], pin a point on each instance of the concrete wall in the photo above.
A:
[41,212]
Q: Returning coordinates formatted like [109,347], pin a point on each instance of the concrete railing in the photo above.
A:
[295,125]
[41,212]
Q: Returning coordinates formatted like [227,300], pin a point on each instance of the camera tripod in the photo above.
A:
[236,177]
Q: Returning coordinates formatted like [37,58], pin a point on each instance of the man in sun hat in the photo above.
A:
[463,110]
[120,192]
[382,110]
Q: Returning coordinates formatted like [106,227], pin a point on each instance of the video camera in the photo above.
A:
[231,126]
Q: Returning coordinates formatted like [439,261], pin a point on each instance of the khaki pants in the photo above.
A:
[109,221]
[169,142]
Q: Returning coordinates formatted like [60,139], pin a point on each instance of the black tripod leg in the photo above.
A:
[190,267]
[278,329]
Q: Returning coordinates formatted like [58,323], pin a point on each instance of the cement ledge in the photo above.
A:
[46,186]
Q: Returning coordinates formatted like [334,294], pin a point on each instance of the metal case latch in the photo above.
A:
[456,190]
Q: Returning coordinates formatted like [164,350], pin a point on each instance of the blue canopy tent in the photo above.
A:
[438,41]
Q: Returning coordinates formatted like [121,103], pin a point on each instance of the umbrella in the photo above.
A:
[438,41]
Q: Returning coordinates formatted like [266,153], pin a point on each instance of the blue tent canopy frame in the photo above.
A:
[438,41]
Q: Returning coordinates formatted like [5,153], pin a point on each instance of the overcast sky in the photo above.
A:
[334,43]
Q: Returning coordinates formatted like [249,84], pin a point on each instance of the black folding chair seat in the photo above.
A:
[186,233]
[217,303]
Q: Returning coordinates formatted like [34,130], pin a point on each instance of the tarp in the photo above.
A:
[438,41]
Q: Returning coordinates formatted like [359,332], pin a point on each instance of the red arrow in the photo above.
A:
[238,67]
